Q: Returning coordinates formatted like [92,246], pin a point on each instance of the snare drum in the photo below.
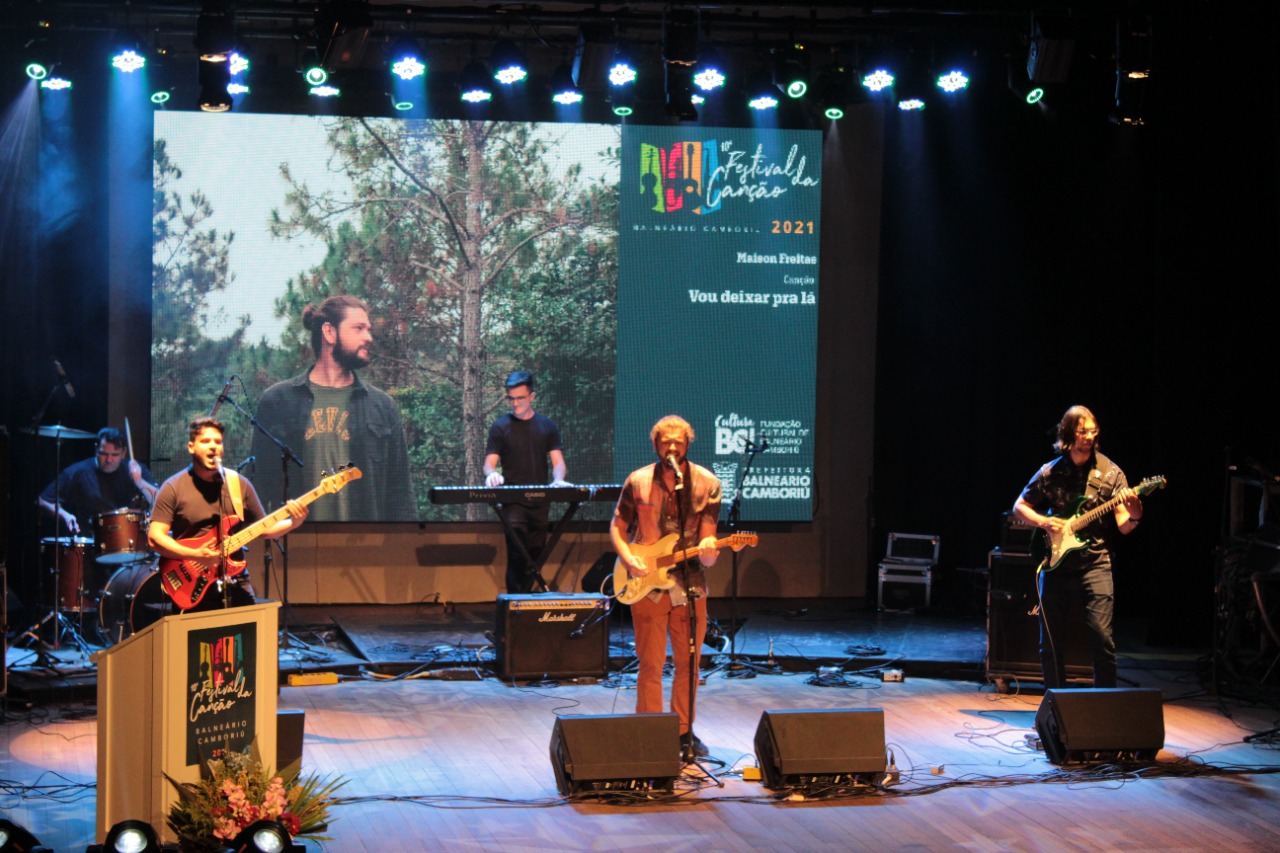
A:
[134,599]
[120,537]
[76,577]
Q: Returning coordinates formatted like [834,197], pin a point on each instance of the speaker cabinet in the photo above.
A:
[1013,626]
[557,636]
[616,752]
[1110,724]
[805,749]
[291,726]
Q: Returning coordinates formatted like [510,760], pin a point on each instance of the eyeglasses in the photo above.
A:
[519,399]
[1087,433]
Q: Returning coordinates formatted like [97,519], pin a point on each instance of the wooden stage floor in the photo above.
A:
[463,765]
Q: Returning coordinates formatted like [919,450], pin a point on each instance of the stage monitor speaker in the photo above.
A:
[616,752]
[552,636]
[1079,726]
[291,724]
[805,749]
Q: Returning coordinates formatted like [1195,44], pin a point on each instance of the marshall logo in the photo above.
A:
[557,617]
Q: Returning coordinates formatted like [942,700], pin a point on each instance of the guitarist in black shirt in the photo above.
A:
[1080,479]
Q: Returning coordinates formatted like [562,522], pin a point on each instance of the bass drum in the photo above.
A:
[134,599]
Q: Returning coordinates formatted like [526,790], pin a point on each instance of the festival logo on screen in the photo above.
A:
[221,700]
[697,177]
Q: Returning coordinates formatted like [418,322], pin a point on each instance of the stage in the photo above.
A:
[442,754]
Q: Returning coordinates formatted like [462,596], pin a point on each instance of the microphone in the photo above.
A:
[217,463]
[248,461]
[218,402]
[62,378]
[671,460]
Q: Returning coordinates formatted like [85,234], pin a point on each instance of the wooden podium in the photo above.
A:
[173,695]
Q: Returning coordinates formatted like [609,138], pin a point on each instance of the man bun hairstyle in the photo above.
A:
[332,311]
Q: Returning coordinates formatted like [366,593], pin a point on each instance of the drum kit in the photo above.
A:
[112,575]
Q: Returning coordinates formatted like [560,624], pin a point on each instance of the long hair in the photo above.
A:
[1068,425]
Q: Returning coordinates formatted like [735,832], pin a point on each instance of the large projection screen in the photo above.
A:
[636,271]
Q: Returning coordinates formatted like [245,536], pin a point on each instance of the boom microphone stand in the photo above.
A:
[286,456]
[740,666]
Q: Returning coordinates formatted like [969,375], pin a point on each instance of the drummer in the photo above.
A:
[103,484]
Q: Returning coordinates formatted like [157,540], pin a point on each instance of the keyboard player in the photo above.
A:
[520,445]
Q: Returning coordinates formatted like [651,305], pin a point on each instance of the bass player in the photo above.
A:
[192,502]
[655,500]
[1080,478]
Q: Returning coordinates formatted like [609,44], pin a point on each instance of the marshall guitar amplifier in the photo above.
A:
[552,636]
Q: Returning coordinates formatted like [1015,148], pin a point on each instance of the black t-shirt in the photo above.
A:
[522,447]
[86,491]
[191,506]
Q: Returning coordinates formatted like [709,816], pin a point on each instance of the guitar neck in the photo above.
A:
[1094,514]
[245,535]
[680,556]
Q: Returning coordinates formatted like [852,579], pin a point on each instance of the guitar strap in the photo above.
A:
[1102,481]
[237,496]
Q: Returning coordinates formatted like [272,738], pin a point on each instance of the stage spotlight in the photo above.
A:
[953,81]
[791,71]
[1133,70]
[680,37]
[509,63]
[215,31]
[761,93]
[128,836]
[623,100]
[55,84]
[711,73]
[474,83]
[214,78]
[407,61]
[342,29]
[37,70]
[623,71]
[128,61]
[878,79]
[834,90]
[264,836]
[316,76]
[16,839]
[563,90]
[1025,90]
[679,92]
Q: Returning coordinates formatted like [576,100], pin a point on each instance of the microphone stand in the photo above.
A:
[740,666]
[692,595]
[286,456]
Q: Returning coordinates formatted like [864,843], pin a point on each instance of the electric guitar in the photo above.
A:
[1051,548]
[186,581]
[660,557]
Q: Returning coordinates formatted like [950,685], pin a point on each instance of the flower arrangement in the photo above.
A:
[237,790]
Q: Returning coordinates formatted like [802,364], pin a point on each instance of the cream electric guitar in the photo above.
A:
[1051,548]
[660,558]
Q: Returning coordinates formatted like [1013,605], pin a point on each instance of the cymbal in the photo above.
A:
[59,431]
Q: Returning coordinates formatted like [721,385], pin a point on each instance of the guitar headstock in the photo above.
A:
[1150,484]
[334,482]
[738,541]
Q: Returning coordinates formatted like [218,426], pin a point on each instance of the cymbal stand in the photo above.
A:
[62,627]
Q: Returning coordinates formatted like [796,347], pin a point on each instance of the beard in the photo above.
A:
[349,359]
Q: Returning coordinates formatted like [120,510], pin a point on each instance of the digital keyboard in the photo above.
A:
[523,494]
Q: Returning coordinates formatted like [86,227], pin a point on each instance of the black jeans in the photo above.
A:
[1089,589]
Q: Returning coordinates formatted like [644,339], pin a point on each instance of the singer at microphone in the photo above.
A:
[659,501]
[675,466]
